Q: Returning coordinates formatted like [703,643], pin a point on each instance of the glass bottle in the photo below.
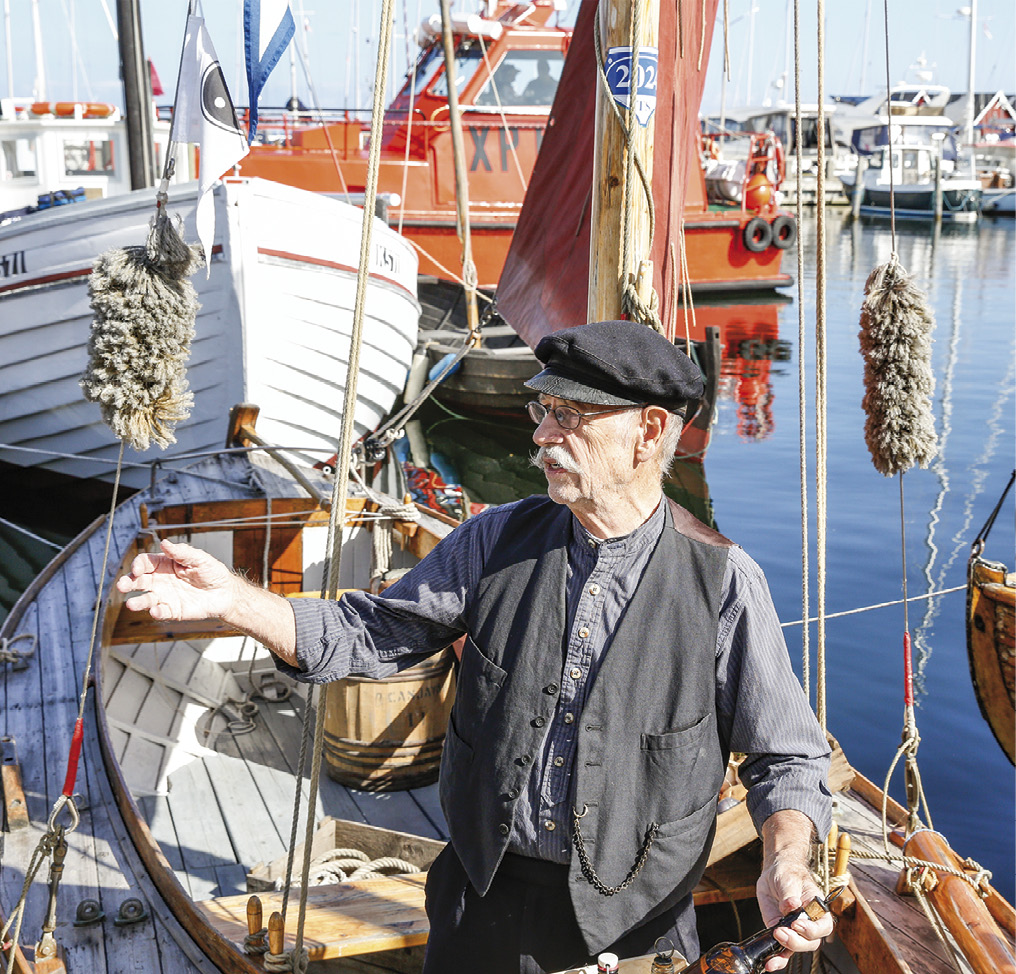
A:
[750,956]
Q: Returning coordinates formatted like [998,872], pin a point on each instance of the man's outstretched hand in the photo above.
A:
[181,583]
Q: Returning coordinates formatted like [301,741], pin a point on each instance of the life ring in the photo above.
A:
[784,229]
[40,108]
[91,109]
[758,235]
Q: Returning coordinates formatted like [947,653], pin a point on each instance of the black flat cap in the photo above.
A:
[616,363]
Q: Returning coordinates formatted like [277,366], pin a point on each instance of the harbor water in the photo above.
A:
[880,541]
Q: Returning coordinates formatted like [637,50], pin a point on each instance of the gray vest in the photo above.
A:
[648,747]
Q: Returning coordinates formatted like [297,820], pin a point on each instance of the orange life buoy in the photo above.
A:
[90,109]
[40,108]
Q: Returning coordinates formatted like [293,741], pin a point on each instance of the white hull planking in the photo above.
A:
[274,326]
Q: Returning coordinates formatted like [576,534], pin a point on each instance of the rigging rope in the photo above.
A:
[802,386]
[510,137]
[341,483]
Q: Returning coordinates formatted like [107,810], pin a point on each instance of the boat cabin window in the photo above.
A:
[431,61]
[527,78]
[466,61]
[86,157]
[18,158]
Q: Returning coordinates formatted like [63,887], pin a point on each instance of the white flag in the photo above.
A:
[204,115]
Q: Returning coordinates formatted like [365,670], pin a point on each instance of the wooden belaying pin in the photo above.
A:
[254,915]
[276,933]
[842,855]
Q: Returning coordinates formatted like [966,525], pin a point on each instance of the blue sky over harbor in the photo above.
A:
[80,51]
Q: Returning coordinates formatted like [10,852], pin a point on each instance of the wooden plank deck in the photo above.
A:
[40,705]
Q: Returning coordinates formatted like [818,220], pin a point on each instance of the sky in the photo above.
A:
[80,52]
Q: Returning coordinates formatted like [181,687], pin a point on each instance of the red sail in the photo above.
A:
[544,282]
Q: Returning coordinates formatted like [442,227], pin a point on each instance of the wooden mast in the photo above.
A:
[608,274]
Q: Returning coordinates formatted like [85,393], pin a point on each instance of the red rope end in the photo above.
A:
[72,758]
[908,671]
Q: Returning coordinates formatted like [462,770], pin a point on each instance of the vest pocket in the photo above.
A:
[681,770]
[669,740]
[478,684]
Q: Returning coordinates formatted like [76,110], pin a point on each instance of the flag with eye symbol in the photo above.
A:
[268,28]
[204,115]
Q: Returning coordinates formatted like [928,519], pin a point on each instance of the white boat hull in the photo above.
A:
[274,326]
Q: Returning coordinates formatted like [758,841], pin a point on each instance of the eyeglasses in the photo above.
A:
[567,417]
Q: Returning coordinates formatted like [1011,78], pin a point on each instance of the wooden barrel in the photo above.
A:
[387,735]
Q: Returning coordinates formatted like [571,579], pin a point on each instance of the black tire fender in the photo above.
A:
[758,235]
[784,229]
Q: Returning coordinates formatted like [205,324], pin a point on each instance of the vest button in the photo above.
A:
[551,688]
[503,829]
[513,793]
[525,759]
[539,721]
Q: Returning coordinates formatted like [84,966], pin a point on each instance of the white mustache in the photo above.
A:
[555,454]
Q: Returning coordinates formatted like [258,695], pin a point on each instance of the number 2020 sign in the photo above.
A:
[618,70]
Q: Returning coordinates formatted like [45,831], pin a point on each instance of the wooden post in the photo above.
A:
[855,200]
[607,276]
[461,180]
[938,181]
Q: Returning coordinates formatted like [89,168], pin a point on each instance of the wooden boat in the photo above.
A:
[991,646]
[501,49]
[274,325]
[174,807]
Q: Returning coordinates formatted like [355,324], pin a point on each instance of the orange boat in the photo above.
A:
[508,64]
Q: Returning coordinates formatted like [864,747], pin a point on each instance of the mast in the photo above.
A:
[461,179]
[137,94]
[968,123]
[610,269]
[9,48]
[39,89]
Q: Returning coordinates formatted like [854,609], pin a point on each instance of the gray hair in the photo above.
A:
[664,458]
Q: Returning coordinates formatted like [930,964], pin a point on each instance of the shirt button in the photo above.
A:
[569,718]
[575,673]
[584,632]
[591,542]
[503,829]
[549,826]
[558,761]
[539,721]
[594,589]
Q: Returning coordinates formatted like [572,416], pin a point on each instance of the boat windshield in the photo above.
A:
[466,61]
[870,140]
[523,78]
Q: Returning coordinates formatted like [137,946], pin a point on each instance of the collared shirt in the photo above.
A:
[761,709]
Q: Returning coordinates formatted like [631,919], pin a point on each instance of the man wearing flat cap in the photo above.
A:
[616,651]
